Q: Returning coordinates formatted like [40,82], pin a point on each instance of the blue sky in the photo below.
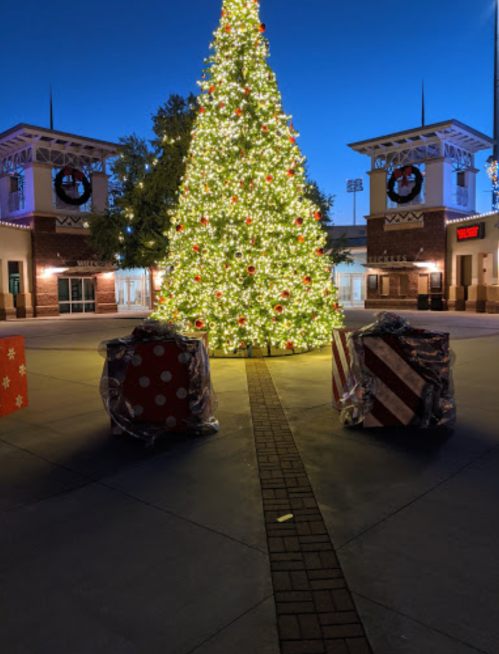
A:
[348,71]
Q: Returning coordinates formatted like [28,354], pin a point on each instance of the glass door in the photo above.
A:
[76,295]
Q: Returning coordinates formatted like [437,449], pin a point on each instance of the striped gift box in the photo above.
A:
[399,388]
[342,373]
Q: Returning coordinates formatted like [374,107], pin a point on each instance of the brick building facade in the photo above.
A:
[64,275]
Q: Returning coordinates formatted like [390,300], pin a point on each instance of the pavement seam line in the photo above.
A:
[416,499]
[161,509]
[419,622]
[229,624]
[315,610]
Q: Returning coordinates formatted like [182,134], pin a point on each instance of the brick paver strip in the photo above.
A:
[315,611]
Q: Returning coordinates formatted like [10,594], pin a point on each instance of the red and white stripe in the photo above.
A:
[398,389]
[341,365]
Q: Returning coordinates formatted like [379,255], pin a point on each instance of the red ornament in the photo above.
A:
[307,279]
[301,239]
[292,139]
[290,345]
[317,215]
[199,324]
[269,178]
[239,112]
[161,300]
[319,252]
[299,221]
[252,241]
[222,105]
[290,173]
[211,89]
[274,320]
[226,266]
[195,248]
[224,13]
[286,294]
[197,278]
[335,306]
[249,221]
[242,321]
[247,91]
[228,29]
[278,308]
[219,294]
[262,28]
[251,270]
[179,228]
[265,128]
[202,110]
[234,199]
[204,220]
[314,317]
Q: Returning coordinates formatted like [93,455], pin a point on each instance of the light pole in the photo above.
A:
[355,186]
[493,169]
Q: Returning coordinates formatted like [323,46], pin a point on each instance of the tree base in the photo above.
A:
[257,353]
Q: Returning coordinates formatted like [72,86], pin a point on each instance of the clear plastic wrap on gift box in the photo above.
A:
[398,376]
[141,394]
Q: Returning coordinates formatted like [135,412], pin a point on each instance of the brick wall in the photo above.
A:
[47,245]
[406,242]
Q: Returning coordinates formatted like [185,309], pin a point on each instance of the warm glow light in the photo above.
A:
[47,272]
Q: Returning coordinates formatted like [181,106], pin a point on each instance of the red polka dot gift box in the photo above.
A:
[156,385]
[157,382]
[13,381]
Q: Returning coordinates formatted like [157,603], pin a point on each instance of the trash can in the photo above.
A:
[437,302]
[423,302]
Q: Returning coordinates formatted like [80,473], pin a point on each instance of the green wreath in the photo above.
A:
[77,175]
[405,172]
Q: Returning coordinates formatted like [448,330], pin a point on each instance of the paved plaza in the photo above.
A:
[109,547]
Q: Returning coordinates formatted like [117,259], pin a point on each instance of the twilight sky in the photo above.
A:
[348,71]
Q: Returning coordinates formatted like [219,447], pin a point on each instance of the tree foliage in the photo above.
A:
[132,233]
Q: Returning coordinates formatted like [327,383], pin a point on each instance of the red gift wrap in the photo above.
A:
[156,385]
[13,379]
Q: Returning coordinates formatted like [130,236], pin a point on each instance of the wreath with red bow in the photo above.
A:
[76,176]
[402,175]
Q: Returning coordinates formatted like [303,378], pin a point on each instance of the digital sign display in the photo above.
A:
[471,232]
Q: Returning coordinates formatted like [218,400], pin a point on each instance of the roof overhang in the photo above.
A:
[22,136]
[450,131]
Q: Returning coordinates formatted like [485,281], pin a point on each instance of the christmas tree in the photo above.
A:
[247,261]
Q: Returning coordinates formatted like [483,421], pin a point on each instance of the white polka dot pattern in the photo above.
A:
[145,382]
[181,393]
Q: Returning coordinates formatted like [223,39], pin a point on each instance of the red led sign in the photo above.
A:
[471,232]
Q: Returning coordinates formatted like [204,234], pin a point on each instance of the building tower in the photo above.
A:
[419,179]
[49,181]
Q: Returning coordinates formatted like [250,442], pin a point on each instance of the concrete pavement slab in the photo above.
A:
[224,470]
[252,633]
[26,478]
[436,561]
[96,571]
[393,633]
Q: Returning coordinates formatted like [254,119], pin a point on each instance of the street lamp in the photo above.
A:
[355,186]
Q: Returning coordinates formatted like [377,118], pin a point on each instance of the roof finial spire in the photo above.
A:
[423,117]
[51,110]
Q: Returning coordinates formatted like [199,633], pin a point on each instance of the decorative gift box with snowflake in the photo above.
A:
[13,382]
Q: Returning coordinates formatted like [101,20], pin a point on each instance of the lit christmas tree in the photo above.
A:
[247,261]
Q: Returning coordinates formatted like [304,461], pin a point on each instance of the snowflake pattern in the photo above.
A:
[6,382]
[22,370]
[11,354]
[19,401]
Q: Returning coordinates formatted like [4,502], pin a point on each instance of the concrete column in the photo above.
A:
[39,188]
[100,192]
[470,180]
[24,297]
[7,309]
[378,196]
[439,182]
[4,196]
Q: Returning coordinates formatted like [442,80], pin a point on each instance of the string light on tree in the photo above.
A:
[493,172]
[246,253]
